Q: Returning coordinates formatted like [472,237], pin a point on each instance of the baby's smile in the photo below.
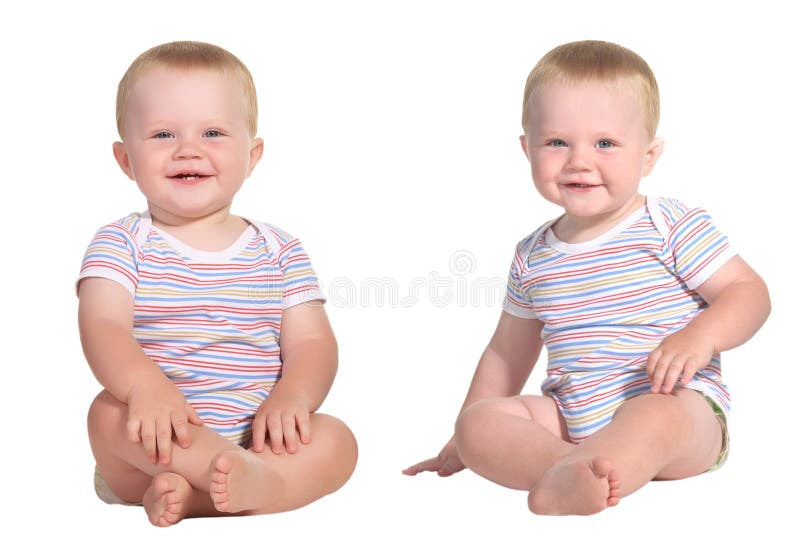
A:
[188,177]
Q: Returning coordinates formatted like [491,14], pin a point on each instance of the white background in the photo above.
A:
[391,145]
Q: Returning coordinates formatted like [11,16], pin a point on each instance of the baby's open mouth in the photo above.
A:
[187,176]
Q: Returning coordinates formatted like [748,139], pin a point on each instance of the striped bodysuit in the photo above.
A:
[210,320]
[607,303]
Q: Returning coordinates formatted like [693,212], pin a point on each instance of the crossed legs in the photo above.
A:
[214,476]
[522,443]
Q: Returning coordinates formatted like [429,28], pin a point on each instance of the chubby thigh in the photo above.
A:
[542,410]
[589,400]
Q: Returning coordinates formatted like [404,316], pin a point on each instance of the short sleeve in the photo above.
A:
[698,247]
[300,283]
[516,301]
[112,254]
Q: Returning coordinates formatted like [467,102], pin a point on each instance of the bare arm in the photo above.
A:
[738,304]
[310,359]
[507,361]
[105,319]
[502,371]
[155,405]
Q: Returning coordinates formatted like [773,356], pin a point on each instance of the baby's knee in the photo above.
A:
[471,426]
[338,436]
[476,416]
[467,421]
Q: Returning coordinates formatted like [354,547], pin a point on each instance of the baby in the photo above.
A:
[634,297]
[205,329]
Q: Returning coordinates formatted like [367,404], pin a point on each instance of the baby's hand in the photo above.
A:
[155,408]
[445,464]
[281,418]
[679,356]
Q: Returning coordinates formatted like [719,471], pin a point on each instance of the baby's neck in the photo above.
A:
[572,229]
[215,232]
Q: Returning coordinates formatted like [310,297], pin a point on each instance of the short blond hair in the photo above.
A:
[188,55]
[582,61]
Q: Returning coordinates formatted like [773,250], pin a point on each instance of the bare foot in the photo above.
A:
[166,501]
[241,481]
[576,488]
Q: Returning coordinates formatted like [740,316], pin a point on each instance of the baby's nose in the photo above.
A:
[187,149]
[578,160]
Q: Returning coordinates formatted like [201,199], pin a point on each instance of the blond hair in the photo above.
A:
[188,55]
[582,61]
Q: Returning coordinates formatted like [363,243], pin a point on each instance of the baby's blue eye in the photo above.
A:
[212,133]
[557,143]
[605,144]
[162,135]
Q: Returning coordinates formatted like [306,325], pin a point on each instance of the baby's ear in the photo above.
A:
[652,155]
[256,150]
[524,142]
[121,155]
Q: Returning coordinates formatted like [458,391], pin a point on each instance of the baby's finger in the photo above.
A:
[688,374]
[693,364]
[652,361]
[148,433]
[659,372]
[134,426]
[431,464]
[304,427]
[288,425]
[672,374]
[275,431]
[164,440]
[194,418]
[259,431]
[181,428]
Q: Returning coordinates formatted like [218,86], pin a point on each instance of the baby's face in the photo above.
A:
[187,142]
[588,147]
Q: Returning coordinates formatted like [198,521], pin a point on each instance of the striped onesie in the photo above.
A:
[210,320]
[609,302]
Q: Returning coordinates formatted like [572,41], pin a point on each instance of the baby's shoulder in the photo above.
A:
[672,211]
[127,229]
[271,230]
[671,215]
[527,244]
[531,239]
[277,239]
[130,222]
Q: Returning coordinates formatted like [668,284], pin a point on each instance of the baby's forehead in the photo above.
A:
[617,99]
[166,93]
[161,81]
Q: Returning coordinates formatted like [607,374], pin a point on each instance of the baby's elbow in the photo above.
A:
[759,299]
[767,302]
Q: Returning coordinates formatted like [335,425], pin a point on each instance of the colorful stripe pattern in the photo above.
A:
[606,304]
[212,323]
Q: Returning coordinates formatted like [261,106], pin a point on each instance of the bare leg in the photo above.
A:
[133,478]
[266,482]
[129,474]
[651,436]
[512,441]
